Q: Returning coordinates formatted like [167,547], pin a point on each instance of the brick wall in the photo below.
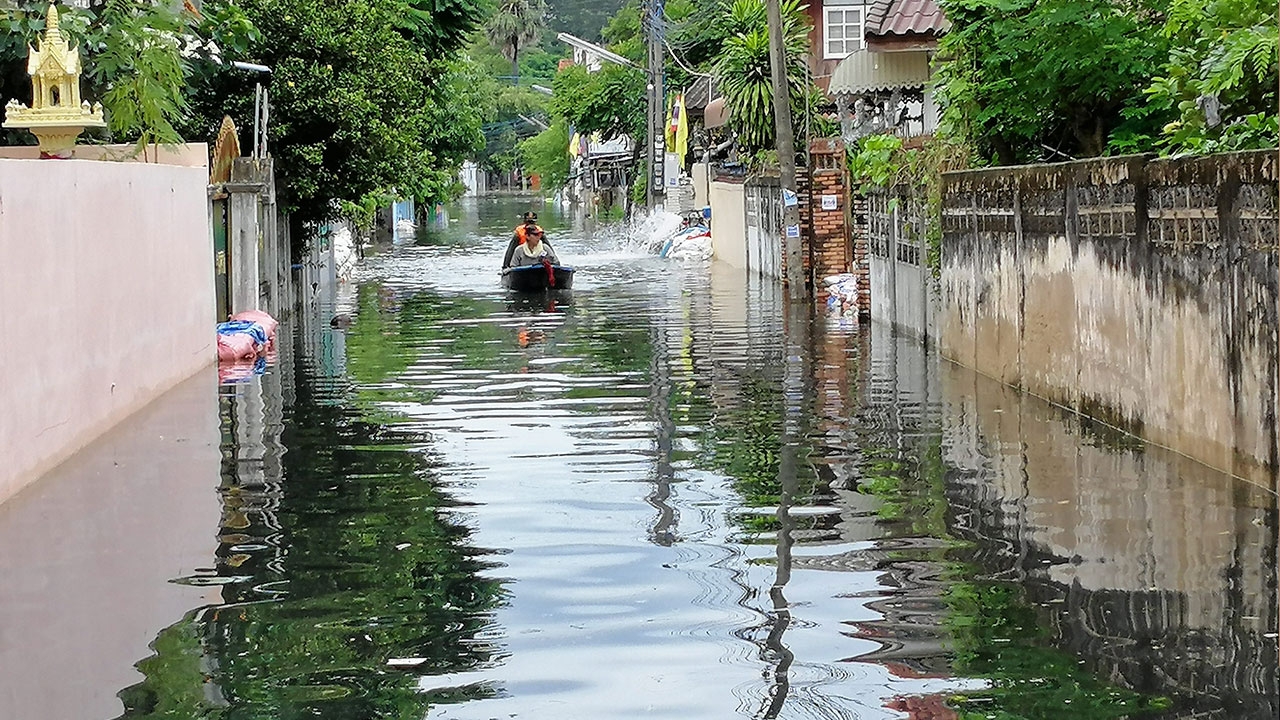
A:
[835,237]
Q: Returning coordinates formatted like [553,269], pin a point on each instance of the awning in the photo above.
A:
[716,114]
[864,72]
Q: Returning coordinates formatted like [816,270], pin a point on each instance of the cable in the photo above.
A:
[671,51]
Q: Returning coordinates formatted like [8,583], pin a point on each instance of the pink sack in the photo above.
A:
[268,323]
[237,346]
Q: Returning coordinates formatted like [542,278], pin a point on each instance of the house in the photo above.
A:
[599,170]
[588,54]
[873,59]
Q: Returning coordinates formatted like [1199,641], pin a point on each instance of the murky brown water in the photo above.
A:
[665,496]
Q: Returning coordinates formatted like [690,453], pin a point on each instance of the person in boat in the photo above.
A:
[535,250]
[518,238]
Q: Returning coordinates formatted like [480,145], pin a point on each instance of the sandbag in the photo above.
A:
[237,346]
[268,323]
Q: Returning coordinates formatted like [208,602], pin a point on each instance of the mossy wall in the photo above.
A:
[1137,290]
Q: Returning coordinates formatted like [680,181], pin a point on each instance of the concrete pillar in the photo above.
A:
[701,185]
[284,252]
[243,241]
[250,188]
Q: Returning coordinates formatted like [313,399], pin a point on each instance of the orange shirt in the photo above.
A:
[520,232]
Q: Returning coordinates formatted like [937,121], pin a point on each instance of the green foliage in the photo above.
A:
[624,33]
[1021,75]
[142,69]
[1223,63]
[876,162]
[743,68]
[546,155]
[437,26]
[610,102]
[882,163]
[137,58]
[698,31]
[640,185]
[538,62]
[515,25]
[508,125]
[361,106]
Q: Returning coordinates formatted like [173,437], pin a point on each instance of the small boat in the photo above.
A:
[537,278]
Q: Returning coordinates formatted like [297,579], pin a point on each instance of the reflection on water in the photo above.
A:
[668,496]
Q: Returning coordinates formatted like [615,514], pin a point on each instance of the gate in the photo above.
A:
[764,226]
[221,256]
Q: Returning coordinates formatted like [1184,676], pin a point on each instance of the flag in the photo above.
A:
[574,142]
[678,127]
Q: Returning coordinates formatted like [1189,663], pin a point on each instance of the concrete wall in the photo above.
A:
[106,277]
[729,223]
[1139,292]
[701,181]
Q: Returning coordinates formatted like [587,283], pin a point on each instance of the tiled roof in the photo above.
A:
[906,17]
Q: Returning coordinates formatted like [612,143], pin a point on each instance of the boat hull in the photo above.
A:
[533,278]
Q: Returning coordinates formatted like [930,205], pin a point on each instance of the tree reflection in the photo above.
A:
[349,560]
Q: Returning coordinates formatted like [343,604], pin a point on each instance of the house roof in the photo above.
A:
[864,71]
[906,17]
[700,93]
[592,49]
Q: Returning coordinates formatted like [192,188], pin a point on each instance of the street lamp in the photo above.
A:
[261,108]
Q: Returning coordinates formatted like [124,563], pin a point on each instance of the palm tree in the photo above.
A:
[516,24]
[744,70]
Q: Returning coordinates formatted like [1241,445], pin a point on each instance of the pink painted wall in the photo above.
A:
[106,300]
[188,155]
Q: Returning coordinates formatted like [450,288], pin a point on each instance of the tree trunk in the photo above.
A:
[1004,152]
[515,61]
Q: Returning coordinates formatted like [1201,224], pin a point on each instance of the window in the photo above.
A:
[843,22]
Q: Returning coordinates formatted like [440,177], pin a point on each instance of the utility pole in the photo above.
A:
[786,155]
[657,136]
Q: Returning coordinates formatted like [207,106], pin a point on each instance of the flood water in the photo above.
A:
[666,495]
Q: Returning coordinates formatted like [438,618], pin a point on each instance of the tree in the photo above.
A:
[610,102]
[1220,78]
[437,26]
[698,30]
[514,25]
[138,58]
[1021,75]
[546,155]
[583,18]
[361,104]
[142,70]
[743,68]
